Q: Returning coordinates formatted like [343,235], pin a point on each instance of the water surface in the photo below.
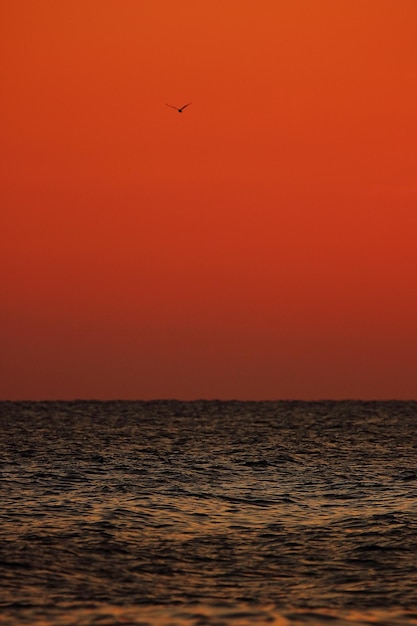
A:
[205,512]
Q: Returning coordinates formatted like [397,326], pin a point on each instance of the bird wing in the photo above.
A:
[185,105]
[172,106]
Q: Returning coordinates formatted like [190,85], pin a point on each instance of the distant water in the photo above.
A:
[198,513]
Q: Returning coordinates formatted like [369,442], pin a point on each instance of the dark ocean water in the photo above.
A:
[197,513]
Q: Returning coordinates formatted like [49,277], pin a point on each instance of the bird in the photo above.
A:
[179,109]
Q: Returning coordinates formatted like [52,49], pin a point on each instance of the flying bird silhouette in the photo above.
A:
[179,109]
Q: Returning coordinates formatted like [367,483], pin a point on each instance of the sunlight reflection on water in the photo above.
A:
[204,615]
[208,513]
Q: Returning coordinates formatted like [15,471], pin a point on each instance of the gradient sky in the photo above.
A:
[261,245]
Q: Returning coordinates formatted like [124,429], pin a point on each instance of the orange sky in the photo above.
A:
[260,245]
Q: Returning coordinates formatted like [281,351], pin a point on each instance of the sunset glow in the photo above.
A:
[261,245]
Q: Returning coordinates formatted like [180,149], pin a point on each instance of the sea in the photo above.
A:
[208,512]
